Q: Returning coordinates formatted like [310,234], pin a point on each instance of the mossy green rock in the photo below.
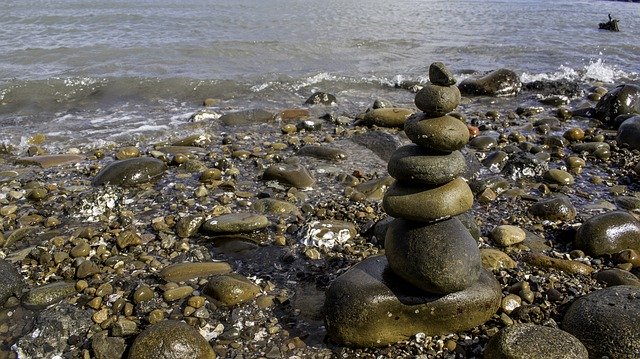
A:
[531,341]
[445,133]
[417,164]
[130,172]
[170,339]
[606,322]
[370,306]
[609,233]
[435,100]
[420,203]
[440,257]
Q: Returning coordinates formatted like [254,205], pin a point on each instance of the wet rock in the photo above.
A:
[544,261]
[615,276]
[609,233]
[11,281]
[106,347]
[327,233]
[562,87]
[385,117]
[524,164]
[188,225]
[606,322]
[507,235]
[444,133]
[127,152]
[436,100]
[231,289]
[558,176]
[181,272]
[416,164]
[47,161]
[235,223]
[628,203]
[375,189]
[291,174]
[501,82]
[322,152]
[438,258]
[558,208]
[130,172]
[495,259]
[382,144]
[47,294]
[590,147]
[420,203]
[439,74]
[531,341]
[483,143]
[86,269]
[170,339]
[53,330]
[275,206]
[622,100]
[247,117]
[369,306]
[321,98]
[629,133]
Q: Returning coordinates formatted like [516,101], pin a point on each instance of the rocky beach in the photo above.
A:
[223,239]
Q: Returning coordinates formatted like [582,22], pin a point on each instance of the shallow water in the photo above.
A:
[91,72]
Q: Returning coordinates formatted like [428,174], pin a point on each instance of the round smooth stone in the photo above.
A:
[606,322]
[557,208]
[170,339]
[445,133]
[295,175]
[558,176]
[483,143]
[531,341]
[428,203]
[507,235]
[438,258]
[609,233]
[629,133]
[435,100]
[370,306]
[130,172]
[413,163]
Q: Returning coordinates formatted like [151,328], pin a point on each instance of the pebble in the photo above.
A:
[235,223]
[483,143]
[127,152]
[385,117]
[188,225]
[531,341]
[11,281]
[44,295]
[629,133]
[608,233]
[321,98]
[231,289]
[322,152]
[558,208]
[439,74]
[48,161]
[566,265]
[558,176]
[295,175]
[178,293]
[606,321]
[86,269]
[615,276]
[495,259]
[507,235]
[247,117]
[181,272]
[143,294]
[170,339]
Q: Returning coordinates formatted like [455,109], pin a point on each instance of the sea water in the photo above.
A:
[88,73]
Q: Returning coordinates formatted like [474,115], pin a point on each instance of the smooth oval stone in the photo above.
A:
[544,261]
[275,206]
[247,117]
[531,341]
[173,294]
[413,163]
[622,100]
[47,294]
[130,172]
[557,208]
[295,175]
[439,74]
[322,152]
[483,143]
[235,223]
[438,258]
[435,100]
[47,161]
[170,339]
[495,259]
[606,322]
[590,147]
[86,269]
[428,203]
[386,117]
[558,176]
[629,133]
[321,98]
[444,133]
[608,233]
[231,289]
[370,306]
[501,82]
[615,276]
[507,235]
[181,272]
[11,281]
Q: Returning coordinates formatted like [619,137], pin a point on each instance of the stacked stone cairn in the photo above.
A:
[431,278]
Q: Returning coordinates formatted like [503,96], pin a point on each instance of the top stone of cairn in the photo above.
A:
[439,74]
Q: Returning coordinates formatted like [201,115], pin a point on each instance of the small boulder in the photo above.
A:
[413,163]
[291,174]
[231,289]
[235,223]
[622,100]
[501,82]
[557,208]
[130,172]
[608,233]
[385,117]
[444,133]
[629,133]
[170,339]
[531,341]
[247,117]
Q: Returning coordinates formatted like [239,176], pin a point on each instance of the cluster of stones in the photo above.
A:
[431,279]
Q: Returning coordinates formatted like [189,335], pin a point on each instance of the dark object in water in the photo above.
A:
[611,25]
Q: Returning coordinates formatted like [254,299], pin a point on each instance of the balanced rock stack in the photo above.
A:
[431,278]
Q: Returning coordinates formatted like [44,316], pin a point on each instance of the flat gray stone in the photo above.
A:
[531,341]
[428,203]
[370,306]
[413,163]
[439,257]
[606,322]
[130,172]
[445,133]
[608,233]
